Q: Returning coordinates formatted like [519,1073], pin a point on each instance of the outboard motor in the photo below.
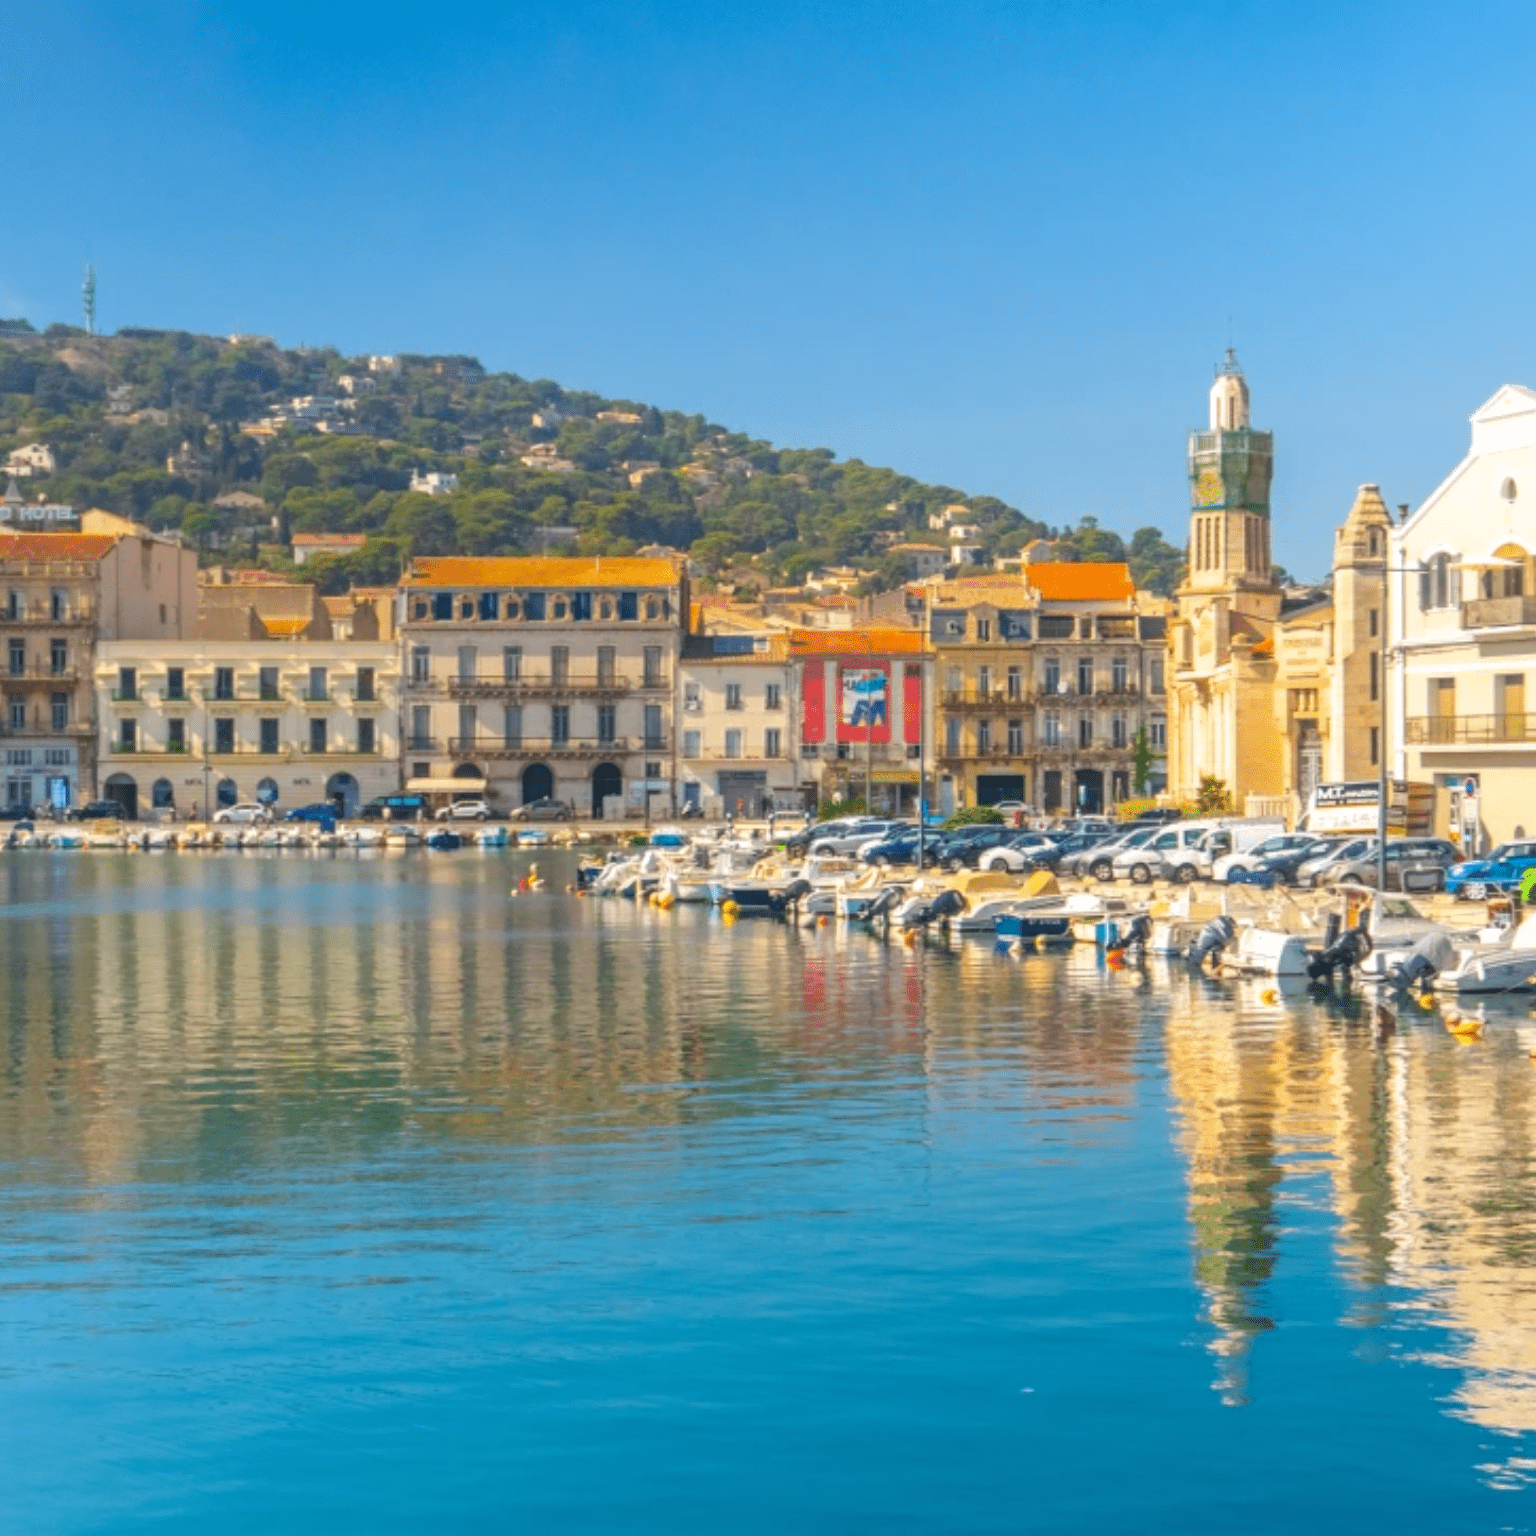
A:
[792,895]
[1419,967]
[1133,939]
[1342,956]
[945,905]
[882,904]
[1213,941]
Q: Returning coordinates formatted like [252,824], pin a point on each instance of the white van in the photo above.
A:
[1188,850]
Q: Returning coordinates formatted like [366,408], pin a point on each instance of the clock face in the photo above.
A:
[1209,491]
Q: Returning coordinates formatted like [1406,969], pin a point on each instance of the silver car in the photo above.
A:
[1309,874]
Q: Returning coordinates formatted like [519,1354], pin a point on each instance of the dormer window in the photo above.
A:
[511,609]
[983,629]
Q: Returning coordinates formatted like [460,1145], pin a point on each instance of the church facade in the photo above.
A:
[1270,691]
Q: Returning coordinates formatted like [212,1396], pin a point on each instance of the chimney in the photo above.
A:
[1402,511]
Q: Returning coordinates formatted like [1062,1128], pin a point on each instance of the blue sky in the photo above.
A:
[999,246]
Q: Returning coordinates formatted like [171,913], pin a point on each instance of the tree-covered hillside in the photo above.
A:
[186,432]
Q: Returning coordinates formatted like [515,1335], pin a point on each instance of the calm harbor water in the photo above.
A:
[350,1192]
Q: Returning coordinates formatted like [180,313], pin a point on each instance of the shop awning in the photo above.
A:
[444,786]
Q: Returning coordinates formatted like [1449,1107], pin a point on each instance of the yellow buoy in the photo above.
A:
[665,900]
[909,938]
[729,909]
[1042,943]
[728,918]
[1269,996]
[1464,1028]
[1426,1001]
[821,919]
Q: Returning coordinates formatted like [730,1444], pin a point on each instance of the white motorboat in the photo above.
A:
[492,837]
[362,836]
[402,837]
[1507,964]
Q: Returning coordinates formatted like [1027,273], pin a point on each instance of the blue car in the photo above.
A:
[1499,874]
[320,811]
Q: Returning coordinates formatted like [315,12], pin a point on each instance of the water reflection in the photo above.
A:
[210,1021]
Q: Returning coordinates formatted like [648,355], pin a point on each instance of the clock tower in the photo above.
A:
[1230,466]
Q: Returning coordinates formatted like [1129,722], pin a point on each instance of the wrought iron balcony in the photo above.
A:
[1471,730]
[495,748]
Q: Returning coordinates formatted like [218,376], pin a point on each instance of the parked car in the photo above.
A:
[246,813]
[97,810]
[1169,851]
[1194,853]
[963,849]
[1160,815]
[400,807]
[1099,860]
[1281,868]
[545,808]
[1012,811]
[321,811]
[799,841]
[852,838]
[1271,847]
[1412,864]
[898,848]
[1499,874]
[465,810]
[1024,850]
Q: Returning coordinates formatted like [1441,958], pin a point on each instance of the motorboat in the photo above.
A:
[1505,963]
[399,836]
[444,840]
[66,837]
[492,837]
[669,837]
[532,837]
[362,835]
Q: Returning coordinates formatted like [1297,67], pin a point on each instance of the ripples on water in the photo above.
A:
[341,1192]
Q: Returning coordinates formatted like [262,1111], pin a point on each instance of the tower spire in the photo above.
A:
[88,299]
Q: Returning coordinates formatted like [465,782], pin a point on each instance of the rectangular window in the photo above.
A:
[1052,675]
[733,743]
[653,737]
[1119,674]
[490,605]
[983,629]
[952,736]
[223,682]
[560,665]
[733,695]
[223,734]
[58,606]
[1015,683]
[560,725]
[366,736]
[1085,730]
[18,715]
[772,699]
[1084,674]
[421,728]
[581,606]
[466,607]
[176,735]
[469,663]
[318,683]
[15,605]
[511,663]
[629,605]
[533,606]
[512,727]
[58,657]
[606,659]
[469,726]
[1051,726]
[1159,731]
[421,664]
[268,731]
[317,734]
[58,706]
[606,724]
[365,693]
[127,682]
[773,742]
[1156,673]
[442,606]
[1375,675]
[18,657]
[653,666]
[691,740]
[1015,737]
[1117,731]
[984,682]
[983,736]
[1374,622]
[127,735]
[267,685]
[175,683]
[1375,743]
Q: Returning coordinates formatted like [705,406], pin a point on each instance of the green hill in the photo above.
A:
[164,426]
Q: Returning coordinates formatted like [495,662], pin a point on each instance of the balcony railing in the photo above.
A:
[40,672]
[421,744]
[1498,612]
[1471,730]
[539,685]
[547,746]
[47,728]
[720,755]
[993,699]
[39,614]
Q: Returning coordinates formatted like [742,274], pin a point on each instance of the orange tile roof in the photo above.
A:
[1067,581]
[540,571]
[55,546]
[875,640]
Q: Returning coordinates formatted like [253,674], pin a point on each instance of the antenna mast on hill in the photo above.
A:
[88,299]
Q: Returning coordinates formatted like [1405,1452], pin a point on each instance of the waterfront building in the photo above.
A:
[544,676]
[1463,624]
[263,703]
[58,593]
[736,715]
[863,694]
[1046,676]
